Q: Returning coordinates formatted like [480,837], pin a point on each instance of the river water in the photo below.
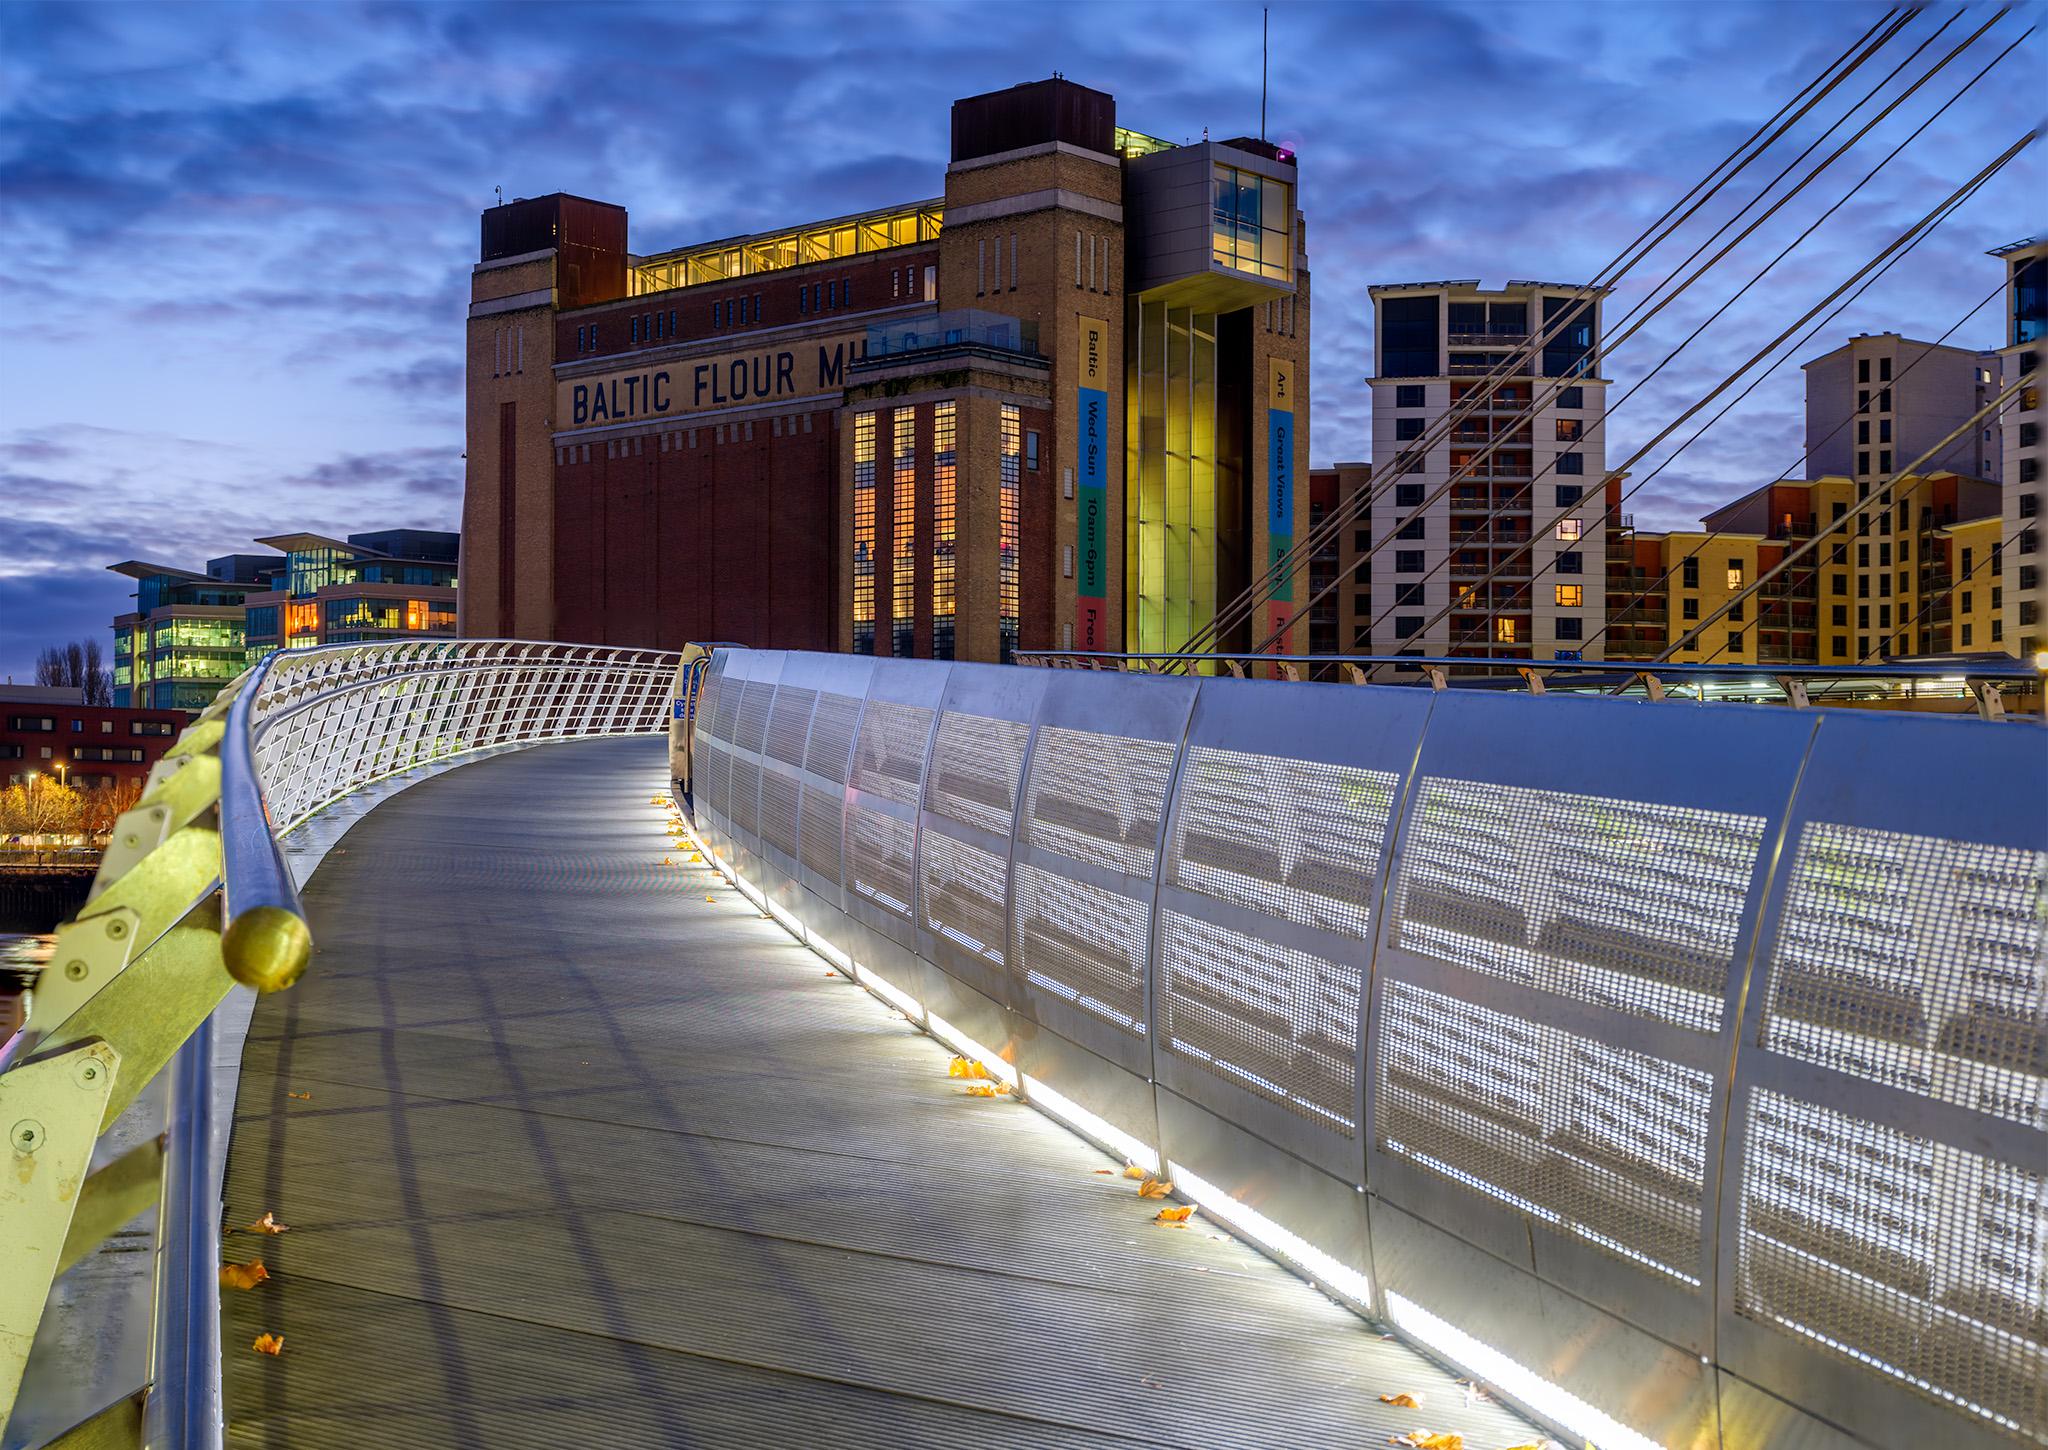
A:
[21,957]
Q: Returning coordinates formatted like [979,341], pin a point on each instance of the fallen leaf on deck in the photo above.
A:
[1132,1170]
[269,1344]
[1424,1440]
[302,1097]
[711,899]
[1178,1214]
[1154,1188]
[986,1089]
[1405,1400]
[1150,1383]
[1105,1172]
[267,1224]
[965,1067]
[830,973]
[243,1276]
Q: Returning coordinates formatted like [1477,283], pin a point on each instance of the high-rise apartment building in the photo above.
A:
[2025,606]
[1062,405]
[1881,400]
[1434,343]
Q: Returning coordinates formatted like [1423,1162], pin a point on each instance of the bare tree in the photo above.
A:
[79,665]
[100,806]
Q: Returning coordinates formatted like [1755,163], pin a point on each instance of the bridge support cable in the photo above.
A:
[1652,590]
[1906,240]
[1878,495]
[1858,53]
[1655,303]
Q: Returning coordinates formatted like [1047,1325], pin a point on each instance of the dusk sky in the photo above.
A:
[238,238]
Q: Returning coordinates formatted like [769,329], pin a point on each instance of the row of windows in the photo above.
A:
[1414,395]
[781,425]
[1280,314]
[1884,370]
[47,724]
[825,296]
[1095,246]
[903,284]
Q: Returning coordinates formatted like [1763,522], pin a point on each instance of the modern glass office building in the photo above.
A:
[191,631]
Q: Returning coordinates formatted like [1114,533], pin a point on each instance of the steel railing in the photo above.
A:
[195,894]
[1677,1072]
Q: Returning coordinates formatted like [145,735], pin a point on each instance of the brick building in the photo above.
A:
[1063,404]
[48,732]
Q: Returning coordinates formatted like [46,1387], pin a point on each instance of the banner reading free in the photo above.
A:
[1091,545]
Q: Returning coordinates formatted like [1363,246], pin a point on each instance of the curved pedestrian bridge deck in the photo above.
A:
[577,1148]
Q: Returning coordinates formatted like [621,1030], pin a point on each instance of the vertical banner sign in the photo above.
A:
[1091,551]
[1280,487]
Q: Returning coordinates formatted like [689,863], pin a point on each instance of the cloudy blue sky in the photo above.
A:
[237,237]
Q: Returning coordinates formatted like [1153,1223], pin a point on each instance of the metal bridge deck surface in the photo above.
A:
[571,1154]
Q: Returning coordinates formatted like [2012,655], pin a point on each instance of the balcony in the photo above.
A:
[1479,368]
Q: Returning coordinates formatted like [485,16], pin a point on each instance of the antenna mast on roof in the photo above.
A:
[1265,25]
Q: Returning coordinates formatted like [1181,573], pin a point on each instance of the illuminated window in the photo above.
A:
[902,536]
[1006,569]
[1734,574]
[944,531]
[864,533]
[1252,222]
[1504,630]
[1568,529]
[1570,596]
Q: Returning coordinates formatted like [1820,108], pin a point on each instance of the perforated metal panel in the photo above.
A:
[818,832]
[964,894]
[1603,1143]
[1084,944]
[832,727]
[880,847]
[746,791]
[778,810]
[1098,798]
[726,705]
[751,724]
[1917,962]
[1916,1259]
[1279,1022]
[888,759]
[1296,839]
[976,764]
[788,722]
[1624,903]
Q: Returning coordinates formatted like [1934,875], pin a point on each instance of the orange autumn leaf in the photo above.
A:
[1154,1188]
[986,1089]
[269,1344]
[1132,1170]
[267,1224]
[1178,1214]
[1425,1440]
[302,1097]
[243,1276]
[1405,1400]
[965,1067]
[1105,1172]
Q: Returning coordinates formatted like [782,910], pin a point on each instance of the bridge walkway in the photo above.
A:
[575,1147]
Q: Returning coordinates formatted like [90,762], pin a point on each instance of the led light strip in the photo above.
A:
[1517,1381]
[1281,1242]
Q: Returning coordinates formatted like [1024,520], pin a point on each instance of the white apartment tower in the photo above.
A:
[2025,537]
[1433,345]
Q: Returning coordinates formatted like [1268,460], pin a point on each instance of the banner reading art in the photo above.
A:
[1280,470]
[1093,365]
